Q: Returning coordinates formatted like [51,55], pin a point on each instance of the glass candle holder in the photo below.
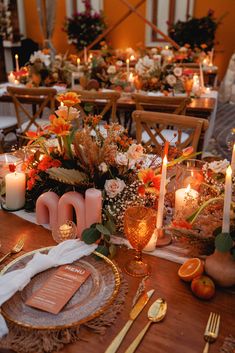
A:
[66,231]
[188,179]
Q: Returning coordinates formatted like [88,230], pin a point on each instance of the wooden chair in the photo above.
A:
[39,98]
[176,105]
[100,103]
[153,129]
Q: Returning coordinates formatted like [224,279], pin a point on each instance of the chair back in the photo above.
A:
[39,98]
[155,125]
[176,105]
[101,102]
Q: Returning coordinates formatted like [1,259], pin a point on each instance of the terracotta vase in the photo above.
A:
[221,267]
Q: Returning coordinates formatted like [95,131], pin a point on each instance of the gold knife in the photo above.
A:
[138,307]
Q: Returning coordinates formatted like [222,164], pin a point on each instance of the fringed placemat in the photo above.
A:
[229,345]
[24,340]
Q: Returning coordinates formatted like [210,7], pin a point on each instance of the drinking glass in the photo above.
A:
[139,225]
[188,85]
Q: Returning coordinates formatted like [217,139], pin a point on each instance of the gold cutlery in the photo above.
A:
[156,313]
[212,330]
[138,307]
[16,248]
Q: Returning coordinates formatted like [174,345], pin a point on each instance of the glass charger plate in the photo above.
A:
[90,301]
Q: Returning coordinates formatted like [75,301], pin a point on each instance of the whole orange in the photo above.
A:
[203,287]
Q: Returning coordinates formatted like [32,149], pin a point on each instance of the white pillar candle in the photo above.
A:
[227,200]
[128,67]
[17,62]
[11,77]
[15,190]
[233,160]
[196,84]
[182,197]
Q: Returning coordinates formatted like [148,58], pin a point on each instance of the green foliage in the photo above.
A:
[197,32]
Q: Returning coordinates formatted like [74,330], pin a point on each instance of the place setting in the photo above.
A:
[117,184]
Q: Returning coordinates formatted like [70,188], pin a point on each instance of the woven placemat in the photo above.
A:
[228,345]
[23,340]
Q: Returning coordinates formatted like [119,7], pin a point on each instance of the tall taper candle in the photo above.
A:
[128,67]
[227,200]
[17,62]
[233,160]
[162,194]
[201,77]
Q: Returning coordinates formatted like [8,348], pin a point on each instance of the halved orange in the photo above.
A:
[191,269]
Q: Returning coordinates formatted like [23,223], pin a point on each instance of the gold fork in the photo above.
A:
[16,248]
[212,330]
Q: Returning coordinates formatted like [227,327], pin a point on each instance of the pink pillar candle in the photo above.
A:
[93,205]
[69,201]
[47,209]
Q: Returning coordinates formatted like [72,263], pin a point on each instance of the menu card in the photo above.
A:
[58,289]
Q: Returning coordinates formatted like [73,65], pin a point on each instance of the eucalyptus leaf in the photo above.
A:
[110,225]
[102,229]
[224,242]
[90,235]
[102,249]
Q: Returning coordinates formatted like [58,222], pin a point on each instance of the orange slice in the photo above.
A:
[191,269]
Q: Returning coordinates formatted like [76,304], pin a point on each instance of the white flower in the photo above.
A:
[178,71]
[121,159]
[119,63]
[144,65]
[40,56]
[219,166]
[103,167]
[67,113]
[171,80]
[154,50]
[111,70]
[183,49]
[135,151]
[114,187]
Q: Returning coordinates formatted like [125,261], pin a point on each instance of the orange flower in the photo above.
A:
[34,135]
[59,126]
[181,223]
[203,46]
[69,98]
[146,176]
[187,151]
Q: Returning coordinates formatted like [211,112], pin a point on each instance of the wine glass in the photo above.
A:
[139,225]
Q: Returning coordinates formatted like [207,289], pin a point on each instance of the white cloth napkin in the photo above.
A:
[64,253]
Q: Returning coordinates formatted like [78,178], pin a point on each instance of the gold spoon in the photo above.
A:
[156,313]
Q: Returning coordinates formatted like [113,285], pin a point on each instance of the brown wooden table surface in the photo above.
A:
[182,329]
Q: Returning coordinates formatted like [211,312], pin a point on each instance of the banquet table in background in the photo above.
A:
[182,329]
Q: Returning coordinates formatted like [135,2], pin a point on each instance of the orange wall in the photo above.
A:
[131,32]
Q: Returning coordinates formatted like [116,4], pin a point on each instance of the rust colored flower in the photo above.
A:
[146,176]
[59,126]
[69,98]
[34,135]
[203,46]
[181,223]
[187,151]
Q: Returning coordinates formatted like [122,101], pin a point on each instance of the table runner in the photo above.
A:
[174,252]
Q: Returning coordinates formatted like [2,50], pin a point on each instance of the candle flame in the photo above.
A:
[127,61]
[132,57]
[91,56]
[61,104]
[229,171]
[166,47]
[165,160]
[188,188]
[78,61]
[16,56]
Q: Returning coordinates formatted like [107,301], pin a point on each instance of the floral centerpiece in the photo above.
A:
[84,27]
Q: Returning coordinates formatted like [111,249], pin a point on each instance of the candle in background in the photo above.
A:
[227,200]
[90,58]
[15,190]
[17,63]
[78,62]
[11,77]
[201,77]
[85,55]
[128,67]
[61,104]
[132,58]
[182,197]
[233,159]
[196,83]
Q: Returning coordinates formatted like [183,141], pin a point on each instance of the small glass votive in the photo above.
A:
[66,231]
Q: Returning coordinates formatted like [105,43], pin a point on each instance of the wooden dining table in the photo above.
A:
[182,329]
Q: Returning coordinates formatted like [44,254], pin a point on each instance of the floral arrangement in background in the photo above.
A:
[84,27]
[196,32]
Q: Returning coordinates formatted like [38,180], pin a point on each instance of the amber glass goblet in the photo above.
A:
[188,85]
[139,225]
